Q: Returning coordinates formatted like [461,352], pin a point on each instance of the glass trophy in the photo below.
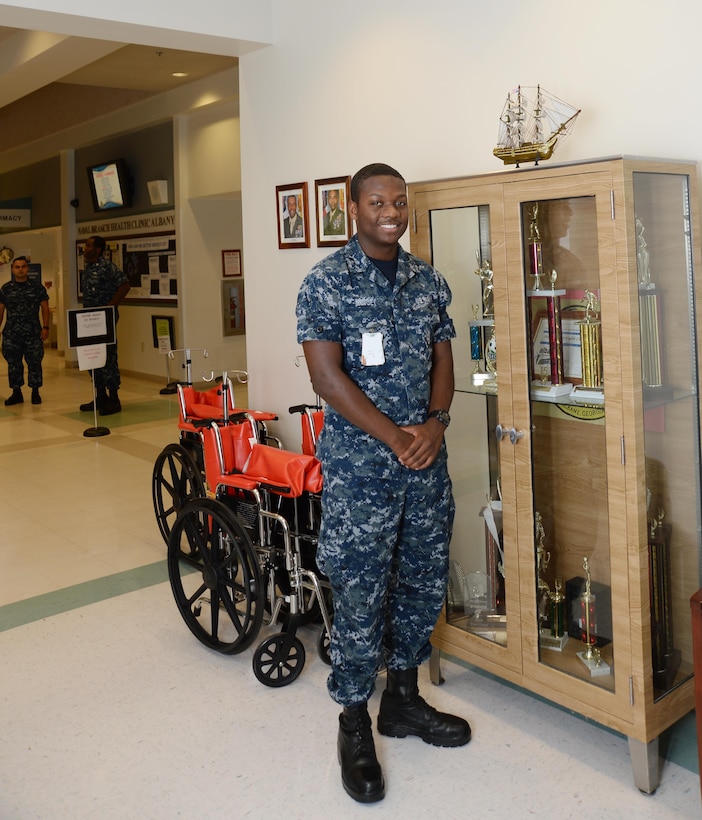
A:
[591,391]
[548,335]
[587,603]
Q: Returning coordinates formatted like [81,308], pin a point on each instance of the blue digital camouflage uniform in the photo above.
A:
[21,336]
[385,529]
[101,280]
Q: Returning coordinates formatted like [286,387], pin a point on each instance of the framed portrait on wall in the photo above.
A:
[333,220]
[293,220]
[233,318]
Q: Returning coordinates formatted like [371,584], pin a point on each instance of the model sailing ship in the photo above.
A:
[531,124]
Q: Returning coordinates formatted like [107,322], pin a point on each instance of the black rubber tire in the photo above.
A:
[273,670]
[215,576]
[176,479]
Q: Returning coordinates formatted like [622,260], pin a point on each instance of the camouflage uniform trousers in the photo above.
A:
[384,546]
[31,349]
[108,376]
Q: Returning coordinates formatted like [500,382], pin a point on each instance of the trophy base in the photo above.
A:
[596,665]
[482,378]
[547,389]
[548,641]
[665,678]
[587,395]
[659,392]
[544,293]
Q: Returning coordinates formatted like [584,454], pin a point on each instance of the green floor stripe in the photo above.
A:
[131,413]
[79,595]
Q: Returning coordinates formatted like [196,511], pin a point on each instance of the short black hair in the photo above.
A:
[99,242]
[375,169]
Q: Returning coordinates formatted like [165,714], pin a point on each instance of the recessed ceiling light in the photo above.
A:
[179,74]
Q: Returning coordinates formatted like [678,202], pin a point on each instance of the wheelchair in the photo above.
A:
[240,516]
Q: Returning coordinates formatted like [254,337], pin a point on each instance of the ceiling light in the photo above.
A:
[179,74]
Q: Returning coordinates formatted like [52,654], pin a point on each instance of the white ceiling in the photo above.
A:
[65,78]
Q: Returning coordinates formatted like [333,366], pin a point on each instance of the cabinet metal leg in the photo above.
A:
[645,764]
[435,667]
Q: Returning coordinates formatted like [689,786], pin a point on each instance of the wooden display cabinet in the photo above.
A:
[575,443]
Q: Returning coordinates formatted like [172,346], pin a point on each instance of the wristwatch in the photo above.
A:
[441,415]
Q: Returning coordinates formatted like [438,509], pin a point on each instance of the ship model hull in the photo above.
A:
[531,125]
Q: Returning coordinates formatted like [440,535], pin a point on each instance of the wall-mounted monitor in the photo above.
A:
[110,185]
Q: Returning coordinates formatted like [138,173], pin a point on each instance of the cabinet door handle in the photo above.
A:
[515,435]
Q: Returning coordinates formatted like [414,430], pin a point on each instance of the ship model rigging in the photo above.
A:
[532,122]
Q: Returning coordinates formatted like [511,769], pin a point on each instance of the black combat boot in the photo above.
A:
[404,712]
[36,398]
[101,398]
[361,774]
[112,404]
[15,398]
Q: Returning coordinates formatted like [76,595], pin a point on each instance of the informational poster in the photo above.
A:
[148,256]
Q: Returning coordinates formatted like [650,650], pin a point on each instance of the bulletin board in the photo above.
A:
[149,261]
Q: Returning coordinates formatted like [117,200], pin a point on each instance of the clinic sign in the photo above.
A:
[15,218]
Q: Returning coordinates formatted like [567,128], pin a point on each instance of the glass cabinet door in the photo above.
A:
[567,405]
[670,417]
[460,239]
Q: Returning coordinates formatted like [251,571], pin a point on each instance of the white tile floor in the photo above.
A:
[111,709]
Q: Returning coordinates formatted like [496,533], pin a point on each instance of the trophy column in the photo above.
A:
[547,354]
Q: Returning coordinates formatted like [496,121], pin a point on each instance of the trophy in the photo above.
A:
[591,657]
[547,354]
[558,614]
[550,606]
[666,659]
[591,391]
[649,315]
[482,331]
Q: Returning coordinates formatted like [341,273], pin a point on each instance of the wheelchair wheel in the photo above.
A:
[215,576]
[176,480]
[273,665]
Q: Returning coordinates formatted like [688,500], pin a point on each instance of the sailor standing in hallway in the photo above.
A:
[104,284]
[373,323]
[24,336]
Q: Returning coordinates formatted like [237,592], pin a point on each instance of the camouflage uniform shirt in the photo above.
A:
[22,301]
[345,296]
[101,280]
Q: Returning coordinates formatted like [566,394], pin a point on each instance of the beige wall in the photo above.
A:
[421,86]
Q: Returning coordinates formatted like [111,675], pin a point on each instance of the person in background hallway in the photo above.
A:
[103,284]
[373,323]
[23,337]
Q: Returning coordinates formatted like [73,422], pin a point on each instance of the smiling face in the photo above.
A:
[333,199]
[292,206]
[381,215]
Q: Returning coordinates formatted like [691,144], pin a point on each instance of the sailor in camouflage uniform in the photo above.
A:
[103,284]
[24,334]
[373,323]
